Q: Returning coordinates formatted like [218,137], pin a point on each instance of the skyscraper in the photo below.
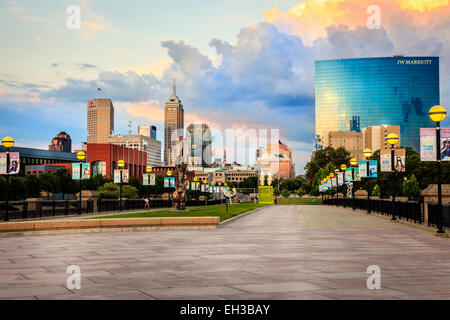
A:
[61,143]
[100,120]
[392,91]
[173,124]
[200,154]
[147,131]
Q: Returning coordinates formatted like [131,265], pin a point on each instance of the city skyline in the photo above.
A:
[254,71]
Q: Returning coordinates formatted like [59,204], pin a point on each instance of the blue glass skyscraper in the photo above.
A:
[380,91]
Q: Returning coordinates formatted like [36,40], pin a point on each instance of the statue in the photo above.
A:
[180,187]
[230,194]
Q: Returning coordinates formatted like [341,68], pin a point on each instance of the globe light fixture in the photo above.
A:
[8,142]
[353,161]
[81,155]
[121,163]
[343,167]
[367,153]
[392,138]
[437,114]
[148,169]
[169,173]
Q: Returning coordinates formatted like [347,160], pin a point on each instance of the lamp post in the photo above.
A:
[367,154]
[120,164]
[7,142]
[331,175]
[336,171]
[353,163]
[392,139]
[437,114]
[80,156]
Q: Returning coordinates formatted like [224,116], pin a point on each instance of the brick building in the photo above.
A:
[103,158]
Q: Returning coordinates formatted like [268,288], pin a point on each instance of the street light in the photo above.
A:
[353,163]
[80,156]
[392,139]
[367,154]
[120,164]
[148,169]
[7,142]
[437,114]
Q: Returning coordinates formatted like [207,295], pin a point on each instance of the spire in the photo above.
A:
[174,86]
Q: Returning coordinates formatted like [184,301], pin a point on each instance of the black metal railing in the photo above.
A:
[52,208]
[408,210]
[433,214]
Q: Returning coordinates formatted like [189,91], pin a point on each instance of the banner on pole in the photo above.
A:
[340,178]
[348,175]
[362,166]
[14,163]
[373,164]
[166,182]
[172,182]
[428,144]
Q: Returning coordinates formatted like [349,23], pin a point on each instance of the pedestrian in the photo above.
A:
[147,203]
[276,199]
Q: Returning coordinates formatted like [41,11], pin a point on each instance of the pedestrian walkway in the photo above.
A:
[279,252]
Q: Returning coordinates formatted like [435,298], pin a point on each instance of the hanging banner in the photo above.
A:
[400,160]
[145,179]
[210,189]
[362,166]
[152,179]
[373,164]
[76,171]
[428,144]
[3,163]
[340,178]
[385,160]
[172,182]
[85,171]
[14,163]
[356,174]
[329,184]
[166,182]
[333,182]
[348,175]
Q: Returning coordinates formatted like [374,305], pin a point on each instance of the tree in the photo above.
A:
[411,188]
[111,190]
[286,193]
[376,191]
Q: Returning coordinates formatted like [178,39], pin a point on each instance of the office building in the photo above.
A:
[147,131]
[351,141]
[142,143]
[61,143]
[392,91]
[100,120]
[375,137]
[173,124]
[199,136]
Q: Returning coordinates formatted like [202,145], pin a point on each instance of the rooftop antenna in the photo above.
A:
[174,86]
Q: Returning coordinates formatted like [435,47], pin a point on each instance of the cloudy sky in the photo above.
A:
[238,63]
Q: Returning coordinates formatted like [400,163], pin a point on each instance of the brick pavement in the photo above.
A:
[281,252]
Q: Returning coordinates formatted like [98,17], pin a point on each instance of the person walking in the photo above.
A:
[147,203]
[276,199]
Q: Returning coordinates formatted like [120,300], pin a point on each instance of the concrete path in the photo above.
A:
[281,252]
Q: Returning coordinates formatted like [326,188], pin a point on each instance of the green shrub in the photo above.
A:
[376,191]
[111,190]
[286,193]
[411,188]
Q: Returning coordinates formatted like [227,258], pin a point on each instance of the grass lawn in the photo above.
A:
[214,210]
[299,201]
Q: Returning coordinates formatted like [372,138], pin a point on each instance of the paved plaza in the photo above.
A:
[280,252]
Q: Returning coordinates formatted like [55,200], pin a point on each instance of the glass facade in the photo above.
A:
[377,91]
